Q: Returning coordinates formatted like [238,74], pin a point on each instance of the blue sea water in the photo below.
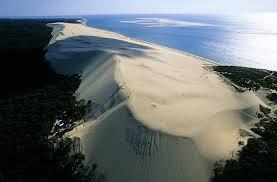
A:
[242,40]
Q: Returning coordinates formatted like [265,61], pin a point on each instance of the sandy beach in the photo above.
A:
[157,114]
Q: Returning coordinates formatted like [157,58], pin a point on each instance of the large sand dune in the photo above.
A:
[157,114]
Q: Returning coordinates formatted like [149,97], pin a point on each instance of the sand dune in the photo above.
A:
[157,114]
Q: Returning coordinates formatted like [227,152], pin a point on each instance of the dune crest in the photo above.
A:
[157,114]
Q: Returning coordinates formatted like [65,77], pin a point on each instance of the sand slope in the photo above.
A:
[157,113]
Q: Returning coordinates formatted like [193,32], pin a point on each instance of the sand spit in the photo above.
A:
[156,114]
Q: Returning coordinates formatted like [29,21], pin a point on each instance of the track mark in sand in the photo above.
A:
[154,105]
[145,142]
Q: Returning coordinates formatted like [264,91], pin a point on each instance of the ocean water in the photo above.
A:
[242,40]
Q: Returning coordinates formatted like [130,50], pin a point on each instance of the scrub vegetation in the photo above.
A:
[257,160]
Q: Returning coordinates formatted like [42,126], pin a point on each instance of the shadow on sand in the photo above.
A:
[74,54]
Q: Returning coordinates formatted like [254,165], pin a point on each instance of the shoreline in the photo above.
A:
[84,22]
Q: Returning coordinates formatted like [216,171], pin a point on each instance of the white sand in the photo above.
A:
[164,22]
[172,118]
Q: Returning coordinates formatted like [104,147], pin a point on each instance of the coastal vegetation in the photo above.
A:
[249,78]
[33,98]
[257,160]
